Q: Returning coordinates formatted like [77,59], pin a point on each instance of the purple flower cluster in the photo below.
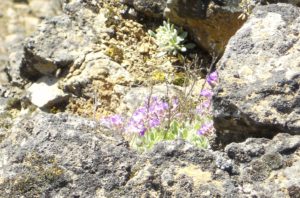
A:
[205,128]
[114,121]
[212,78]
[149,116]
[155,112]
[206,93]
[204,107]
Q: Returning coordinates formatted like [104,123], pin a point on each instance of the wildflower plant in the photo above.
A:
[163,119]
[170,40]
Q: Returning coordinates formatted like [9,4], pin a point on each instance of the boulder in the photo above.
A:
[48,155]
[61,40]
[211,23]
[258,94]
[95,66]
[44,155]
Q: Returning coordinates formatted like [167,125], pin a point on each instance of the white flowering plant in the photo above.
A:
[170,40]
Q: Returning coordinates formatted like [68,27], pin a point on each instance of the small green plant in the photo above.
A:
[170,40]
[177,130]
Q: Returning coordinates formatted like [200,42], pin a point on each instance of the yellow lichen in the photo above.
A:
[199,177]
[115,53]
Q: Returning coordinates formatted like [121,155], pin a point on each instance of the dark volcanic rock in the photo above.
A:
[59,155]
[149,8]
[152,8]
[258,94]
[50,156]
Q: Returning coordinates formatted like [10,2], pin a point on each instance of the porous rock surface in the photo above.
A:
[18,19]
[61,40]
[211,23]
[60,155]
[205,19]
[258,93]
[44,155]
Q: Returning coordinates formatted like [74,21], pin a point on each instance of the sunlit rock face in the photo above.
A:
[211,23]
[258,93]
[47,155]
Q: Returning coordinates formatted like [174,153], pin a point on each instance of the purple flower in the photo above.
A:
[212,78]
[116,120]
[154,122]
[175,103]
[134,127]
[139,115]
[206,104]
[158,107]
[113,121]
[206,93]
[142,131]
[205,128]
[203,107]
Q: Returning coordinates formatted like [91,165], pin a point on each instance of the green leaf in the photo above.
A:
[183,35]
[190,45]
[151,33]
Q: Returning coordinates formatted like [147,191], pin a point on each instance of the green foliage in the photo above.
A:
[177,130]
[170,40]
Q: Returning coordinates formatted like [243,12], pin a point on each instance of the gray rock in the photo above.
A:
[258,94]
[3,104]
[268,170]
[60,156]
[19,19]
[46,8]
[60,41]
[45,93]
[211,23]
[179,169]
[205,19]
[94,66]
[153,9]
[150,8]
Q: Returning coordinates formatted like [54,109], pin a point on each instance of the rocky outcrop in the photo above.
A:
[86,53]
[44,155]
[203,19]
[60,156]
[259,93]
[153,9]
[18,19]
[211,23]
[61,40]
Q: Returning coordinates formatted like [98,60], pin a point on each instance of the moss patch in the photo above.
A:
[39,174]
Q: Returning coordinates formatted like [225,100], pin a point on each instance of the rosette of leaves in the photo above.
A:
[170,40]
